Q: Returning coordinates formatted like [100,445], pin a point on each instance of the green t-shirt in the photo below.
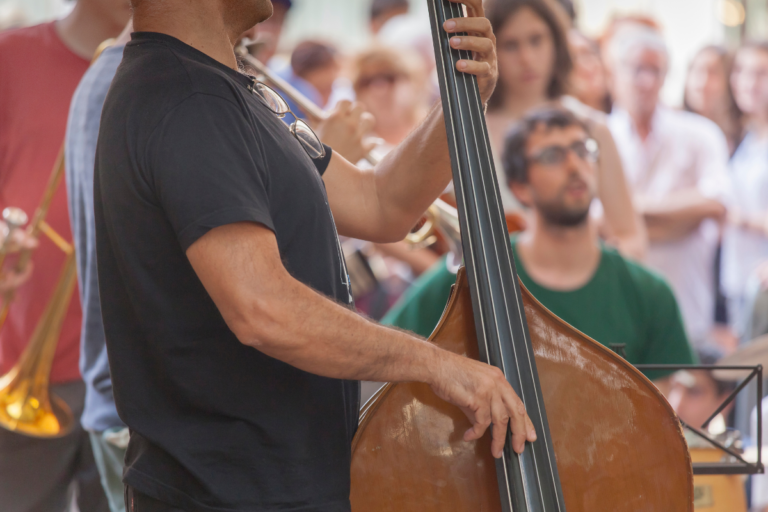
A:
[623,303]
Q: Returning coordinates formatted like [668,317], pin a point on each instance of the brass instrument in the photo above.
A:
[440,218]
[26,404]
[443,219]
[314,113]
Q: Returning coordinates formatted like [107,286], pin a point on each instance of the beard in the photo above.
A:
[560,214]
[563,216]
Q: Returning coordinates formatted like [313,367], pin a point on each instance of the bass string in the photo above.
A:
[507,251]
[492,195]
[463,77]
[439,47]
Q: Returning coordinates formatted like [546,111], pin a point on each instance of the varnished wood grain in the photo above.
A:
[618,444]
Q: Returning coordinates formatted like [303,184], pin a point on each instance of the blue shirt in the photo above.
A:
[80,151]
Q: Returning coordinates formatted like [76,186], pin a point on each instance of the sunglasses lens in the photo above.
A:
[309,140]
[272,100]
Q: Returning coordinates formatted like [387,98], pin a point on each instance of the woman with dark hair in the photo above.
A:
[534,67]
[708,92]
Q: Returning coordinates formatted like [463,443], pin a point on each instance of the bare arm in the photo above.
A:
[267,309]
[678,214]
[382,205]
[623,224]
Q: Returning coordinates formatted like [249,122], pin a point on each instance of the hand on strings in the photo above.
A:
[347,130]
[479,40]
[484,395]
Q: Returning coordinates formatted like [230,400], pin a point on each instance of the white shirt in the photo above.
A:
[683,151]
[744,250]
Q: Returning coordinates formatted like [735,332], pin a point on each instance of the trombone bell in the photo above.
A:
[26,405]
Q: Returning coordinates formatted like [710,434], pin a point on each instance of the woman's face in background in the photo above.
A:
[749,81]
[388,93]
[526,54]
[588,80]
[706,88]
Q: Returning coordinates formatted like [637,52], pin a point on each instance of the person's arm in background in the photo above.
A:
[621,225]
[347,131]
[678,214]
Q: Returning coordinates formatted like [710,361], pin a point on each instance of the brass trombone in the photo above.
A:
[26,404]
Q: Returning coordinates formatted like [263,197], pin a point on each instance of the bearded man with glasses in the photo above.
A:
[234,350]
[549,162]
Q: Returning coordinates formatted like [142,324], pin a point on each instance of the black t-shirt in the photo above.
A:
[185,147]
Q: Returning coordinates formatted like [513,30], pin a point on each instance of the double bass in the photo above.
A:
[607,438]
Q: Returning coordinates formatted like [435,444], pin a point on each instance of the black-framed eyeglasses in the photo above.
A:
[587,150]
[300,129]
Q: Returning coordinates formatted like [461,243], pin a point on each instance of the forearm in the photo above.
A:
[622,222]
[411,176]
[754,222]
[677,216]
[306,330]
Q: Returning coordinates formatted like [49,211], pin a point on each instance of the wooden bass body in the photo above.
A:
[618,444]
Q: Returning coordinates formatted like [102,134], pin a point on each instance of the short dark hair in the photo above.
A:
[499,11]
[309,56]
[513,158]
[379,7]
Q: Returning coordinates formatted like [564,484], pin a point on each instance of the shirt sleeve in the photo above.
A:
[322,163]
[206,166]
[666,340]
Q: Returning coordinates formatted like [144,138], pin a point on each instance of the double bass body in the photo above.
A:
[618,444]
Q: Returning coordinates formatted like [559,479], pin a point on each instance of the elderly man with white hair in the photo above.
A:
[676,165]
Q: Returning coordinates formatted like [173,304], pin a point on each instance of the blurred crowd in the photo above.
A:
[679,192]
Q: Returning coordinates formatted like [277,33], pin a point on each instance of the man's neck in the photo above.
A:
[200,24]
[643,122]
[85,28]
[559,258]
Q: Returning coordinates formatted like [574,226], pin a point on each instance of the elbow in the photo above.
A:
[258,324]
[395,229]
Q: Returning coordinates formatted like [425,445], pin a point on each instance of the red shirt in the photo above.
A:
[38,76]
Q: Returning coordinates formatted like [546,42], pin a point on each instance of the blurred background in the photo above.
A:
[687,25]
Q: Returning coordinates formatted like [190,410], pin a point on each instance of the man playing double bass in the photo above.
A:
[233,347]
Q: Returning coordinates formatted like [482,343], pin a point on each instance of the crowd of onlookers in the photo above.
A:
[684,190]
